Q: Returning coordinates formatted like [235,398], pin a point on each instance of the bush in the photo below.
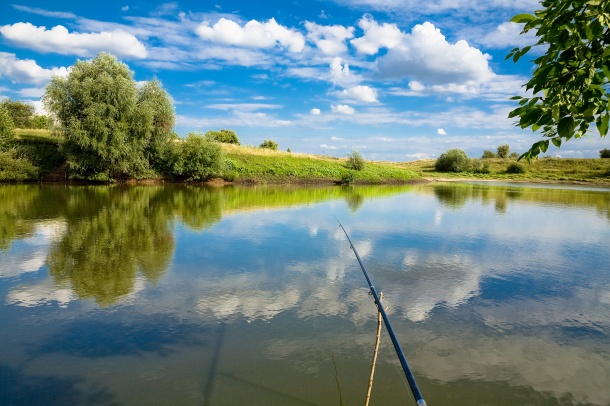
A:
[454,160]
[198,158]
[503,151]
[348,178]
[355,161]
[269,144]
[476,166]
[514,155]
[224,136]
[13,168]
[604,153]
[516,168]
[488,154]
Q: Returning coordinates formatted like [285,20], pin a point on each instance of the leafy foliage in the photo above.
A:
[487,154]
[16,168]
[355,160]
[477,166]
[269,144]
[198,158]
[42,122]
[20,112]
[571,80]
[454,160]
[503,151]
[110,128]
[224,136]
[515,167]
[604,153]
[7,128]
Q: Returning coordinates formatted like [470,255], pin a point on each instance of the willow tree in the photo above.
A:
[570,83]
[109,126]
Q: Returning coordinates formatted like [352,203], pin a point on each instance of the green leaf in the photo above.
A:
[544,145]
[556,108]
[565,127]
[556,142]
[603,125]
[522,18]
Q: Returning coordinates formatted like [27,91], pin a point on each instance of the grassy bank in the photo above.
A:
[34,156]
[256,165]
[552,170]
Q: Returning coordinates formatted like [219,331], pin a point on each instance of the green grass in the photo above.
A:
[35,135]
[248,164]
[575,170]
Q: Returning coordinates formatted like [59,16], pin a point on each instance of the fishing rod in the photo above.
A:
[401,355]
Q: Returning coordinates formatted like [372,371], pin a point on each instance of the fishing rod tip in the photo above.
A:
[421,402]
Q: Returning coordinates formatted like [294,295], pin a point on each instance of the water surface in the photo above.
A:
[500,294]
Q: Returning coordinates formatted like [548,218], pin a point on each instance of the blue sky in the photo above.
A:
[395,79]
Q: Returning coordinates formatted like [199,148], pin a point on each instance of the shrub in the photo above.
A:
[348,178]
[198,158]
[454,160]
[488,154]
[355,161]
[514,155]
[13,168]
[269,144]
[503,151]
[224,136]
[476,166]
[604,153]
[515,167]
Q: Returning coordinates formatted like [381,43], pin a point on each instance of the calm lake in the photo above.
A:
[186,295]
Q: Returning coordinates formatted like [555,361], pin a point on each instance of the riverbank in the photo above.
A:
[38,160]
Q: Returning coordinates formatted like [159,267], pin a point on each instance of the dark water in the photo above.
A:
[181,295]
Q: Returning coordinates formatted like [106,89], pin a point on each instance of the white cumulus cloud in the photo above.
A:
[507,35]
[253,35]
[425,56]
[361,94]
[59,40]
[330,39]
[440,131]
[376,36]
[342,109]
[315,112]
[26,70]
[341,75]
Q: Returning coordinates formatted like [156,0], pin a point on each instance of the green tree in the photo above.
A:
[503,151]
[570,83]
[108,125]
[21,113]
[42,122]
[224,136]
[355,160]
[7,128]
[269,144]
[604,153]
[454,160]
[488,154]
[198,158]
[157,114]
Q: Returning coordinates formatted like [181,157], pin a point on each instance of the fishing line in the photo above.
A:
[401,356]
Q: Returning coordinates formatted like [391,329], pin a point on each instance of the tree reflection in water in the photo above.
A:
[118,233]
